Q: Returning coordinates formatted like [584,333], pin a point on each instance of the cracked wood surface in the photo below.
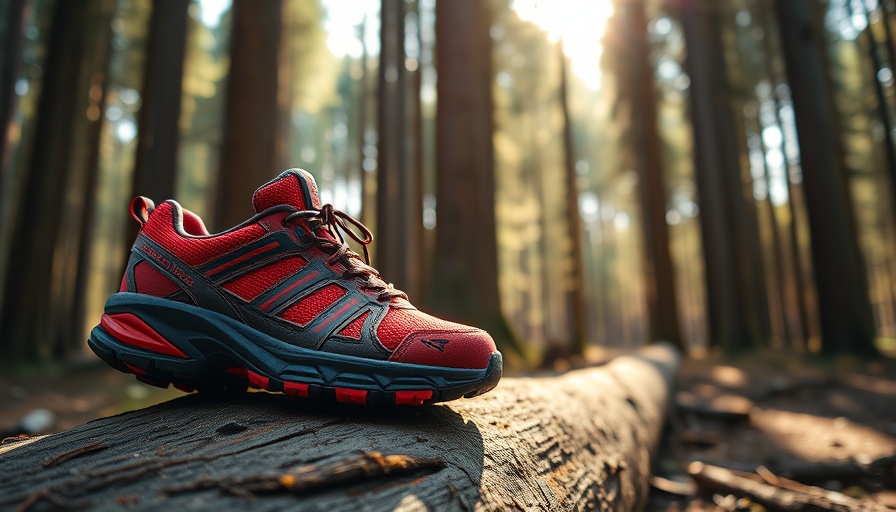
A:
[578,441]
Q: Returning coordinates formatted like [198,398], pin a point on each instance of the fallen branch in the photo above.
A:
[776,493]
[881,470]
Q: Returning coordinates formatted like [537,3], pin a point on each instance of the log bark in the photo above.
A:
[578,441]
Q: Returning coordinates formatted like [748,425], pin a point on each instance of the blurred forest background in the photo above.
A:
[582,172]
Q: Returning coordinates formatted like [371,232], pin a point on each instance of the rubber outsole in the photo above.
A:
[195,349]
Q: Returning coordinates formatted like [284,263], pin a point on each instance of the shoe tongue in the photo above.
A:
[295,187]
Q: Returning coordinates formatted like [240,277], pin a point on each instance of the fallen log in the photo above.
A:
[578,441]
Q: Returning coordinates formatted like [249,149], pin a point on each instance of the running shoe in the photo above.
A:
[281,303]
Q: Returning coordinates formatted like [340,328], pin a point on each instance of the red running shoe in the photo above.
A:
[281,303]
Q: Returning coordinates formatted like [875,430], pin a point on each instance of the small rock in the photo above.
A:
[37,421]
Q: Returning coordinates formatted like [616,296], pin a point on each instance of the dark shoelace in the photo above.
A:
[336,223]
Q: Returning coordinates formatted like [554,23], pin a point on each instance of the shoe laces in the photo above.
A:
[337,222]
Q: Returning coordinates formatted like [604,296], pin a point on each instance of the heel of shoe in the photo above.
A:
[128,344]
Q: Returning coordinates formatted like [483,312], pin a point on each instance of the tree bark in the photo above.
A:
[252,150]
[36,226]
[579,441]
[847,324]
[155,160]
[99,96]
[639,87]
[397,219]
[792,256]
[17,12]
[731,278]
[416,172]
[72,249]
[575,285]
[367,198]
[465,273]
[155,163]
[883,108]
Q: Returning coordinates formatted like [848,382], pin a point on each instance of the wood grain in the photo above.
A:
[578,441]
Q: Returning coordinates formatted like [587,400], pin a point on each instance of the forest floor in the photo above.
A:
[819,422]
[816,421]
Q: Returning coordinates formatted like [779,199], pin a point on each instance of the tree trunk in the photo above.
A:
[575,285]
[775,271]
[883,108]
[36,229]
[396,256]
[155,163]
[792,256]
[731,280]
[158,133]
[367,201]
[99,96]
[417,237]
[465,273]
[72,249]
[16,14]
[251,151]
[579,441]
[847,324]
[659,274]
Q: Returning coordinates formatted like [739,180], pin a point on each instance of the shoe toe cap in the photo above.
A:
[469,348]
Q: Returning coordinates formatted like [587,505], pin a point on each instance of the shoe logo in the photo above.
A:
[168,265]
[436,344]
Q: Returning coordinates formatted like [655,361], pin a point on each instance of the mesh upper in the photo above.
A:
[195,250]
[304,311]
[150,281]
[258,281]
[399,322]
[353,330]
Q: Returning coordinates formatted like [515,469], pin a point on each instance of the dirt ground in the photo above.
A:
[795,418]
[58,399]
[805,419]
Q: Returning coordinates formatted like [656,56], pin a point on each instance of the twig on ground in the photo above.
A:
[784,495]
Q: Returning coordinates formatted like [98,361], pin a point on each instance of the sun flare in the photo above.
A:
[580,23]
